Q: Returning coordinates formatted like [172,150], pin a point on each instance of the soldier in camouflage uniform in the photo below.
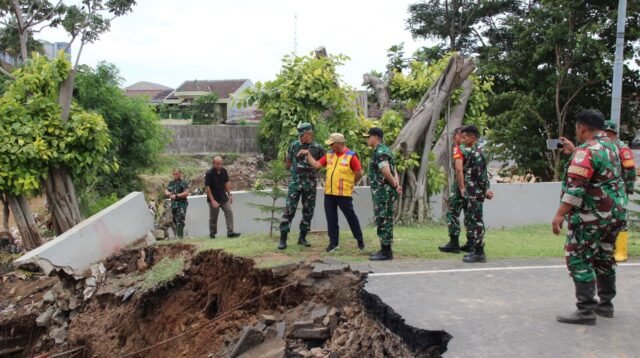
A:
[302,184]
[474,191]
[593,201]
[626,157]
[456,202]
[385,189]
[178,191]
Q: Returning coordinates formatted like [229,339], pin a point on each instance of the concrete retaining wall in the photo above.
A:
[197,222]
[95,238]
[516,204]
[513,205]
[190,139]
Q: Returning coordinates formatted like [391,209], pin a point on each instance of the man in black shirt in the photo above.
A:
[217,185]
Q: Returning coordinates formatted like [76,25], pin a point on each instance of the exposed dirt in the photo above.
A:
[204,310]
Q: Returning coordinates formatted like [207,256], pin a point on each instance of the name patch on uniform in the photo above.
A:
[579,171]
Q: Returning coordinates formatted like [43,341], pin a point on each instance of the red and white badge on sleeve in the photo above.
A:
[581,166]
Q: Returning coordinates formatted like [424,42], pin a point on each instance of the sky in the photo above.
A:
[169,41]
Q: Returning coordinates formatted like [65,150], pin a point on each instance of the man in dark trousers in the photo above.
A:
[343,172]
[219,195]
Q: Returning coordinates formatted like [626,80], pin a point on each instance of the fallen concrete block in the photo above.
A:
[280,327]
[311,333]
[94,239]
[260,326]
[318,314]
[268,319]
[250,338]
[272,348]
[302,324]
[318,270]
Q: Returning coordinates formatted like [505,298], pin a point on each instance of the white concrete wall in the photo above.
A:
[197,221]
[516,204]
[95,238]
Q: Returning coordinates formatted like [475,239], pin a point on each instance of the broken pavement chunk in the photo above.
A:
[311,333]
[268,319]
[250,338]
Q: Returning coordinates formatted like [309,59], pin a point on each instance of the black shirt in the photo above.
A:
[215,181]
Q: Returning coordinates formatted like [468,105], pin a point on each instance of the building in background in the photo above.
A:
[51,49]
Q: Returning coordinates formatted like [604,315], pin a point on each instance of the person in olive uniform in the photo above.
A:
[385,189]
[178,191]
[302,184]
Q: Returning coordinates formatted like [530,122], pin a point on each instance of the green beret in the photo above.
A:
[610,126]
[304,127]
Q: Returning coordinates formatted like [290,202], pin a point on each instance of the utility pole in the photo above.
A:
[616,91]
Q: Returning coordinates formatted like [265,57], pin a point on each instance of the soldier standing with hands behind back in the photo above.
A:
[178,191]
[385,189]
[302,184]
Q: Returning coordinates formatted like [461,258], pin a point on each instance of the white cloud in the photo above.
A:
[168,41]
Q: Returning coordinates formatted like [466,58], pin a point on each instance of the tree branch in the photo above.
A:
[6,73]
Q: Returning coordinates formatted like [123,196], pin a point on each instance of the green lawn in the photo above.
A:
[410,243]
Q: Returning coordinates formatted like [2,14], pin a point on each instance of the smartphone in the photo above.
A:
[554,144]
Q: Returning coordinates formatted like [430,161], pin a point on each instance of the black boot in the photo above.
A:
[283,241]
[302,239]
[586,303]
[452,246]
[468,247]
[385,253]
[606,292]
[476,256]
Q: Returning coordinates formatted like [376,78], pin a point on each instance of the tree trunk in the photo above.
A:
[63,203]
[442,148]
[5,211]
[432,102]
[24,220]
[61,193]
[22,31]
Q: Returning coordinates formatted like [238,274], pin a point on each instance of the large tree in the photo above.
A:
[84,22]
[549,60]
[456,24]
[137,135]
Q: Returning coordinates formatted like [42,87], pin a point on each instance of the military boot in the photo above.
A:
[468,247]
[283,240]
[476,256]
[302,239]
[586,304]
[606,292]
[180,231]
[385,253]
[452,246]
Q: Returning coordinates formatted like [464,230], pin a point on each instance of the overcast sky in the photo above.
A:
[169,41]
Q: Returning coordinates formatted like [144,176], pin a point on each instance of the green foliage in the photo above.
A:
[276,176]
[307,89]
[10,41]
[549,49]
[33,137]
[204,109]
[163,272]
[92,203]
[137,135]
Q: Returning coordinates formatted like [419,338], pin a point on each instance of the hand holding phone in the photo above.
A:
[554,144]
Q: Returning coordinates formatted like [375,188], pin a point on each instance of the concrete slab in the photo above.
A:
[95,238]
[508,308]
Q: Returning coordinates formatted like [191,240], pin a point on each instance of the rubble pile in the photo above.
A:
[221,305]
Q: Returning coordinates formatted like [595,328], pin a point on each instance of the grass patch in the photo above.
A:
[414,242]
[162,272]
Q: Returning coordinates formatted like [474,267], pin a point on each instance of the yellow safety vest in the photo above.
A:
[340,177]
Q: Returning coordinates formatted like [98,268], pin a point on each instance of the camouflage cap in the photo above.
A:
[610,126]
[304,127]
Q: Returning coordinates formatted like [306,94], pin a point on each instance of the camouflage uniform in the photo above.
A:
[302,184]
[592,184]
[383,195]
[628,166]
[476,181]
[179,206]
[456,201]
